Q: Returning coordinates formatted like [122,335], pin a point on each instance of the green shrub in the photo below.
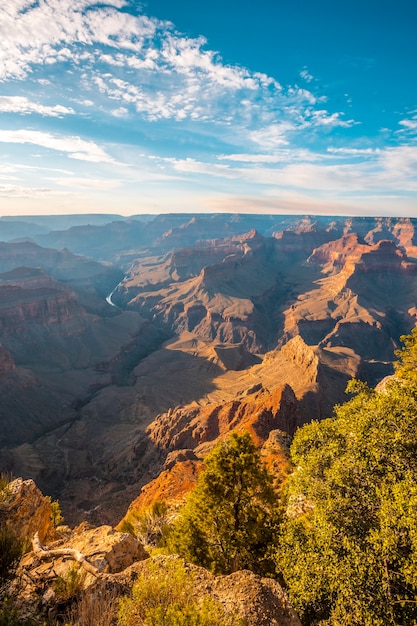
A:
[5,480]
[151,523]
[56,516]
[70,585]
[164,596]
[127,527]
[10,553]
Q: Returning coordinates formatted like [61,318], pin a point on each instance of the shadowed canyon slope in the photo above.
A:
[214,323]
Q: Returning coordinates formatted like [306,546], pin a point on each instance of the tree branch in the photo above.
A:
[42,553]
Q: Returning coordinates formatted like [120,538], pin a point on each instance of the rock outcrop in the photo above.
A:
[25,510]
[45,306]
[259,412]
[259,601]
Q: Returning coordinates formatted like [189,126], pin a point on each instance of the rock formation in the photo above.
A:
[221,322]
[25,510]
[110,562]
[259,601]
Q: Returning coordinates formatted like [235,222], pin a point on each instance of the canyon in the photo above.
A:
[216,322]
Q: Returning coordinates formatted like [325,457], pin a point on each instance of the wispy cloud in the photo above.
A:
[393,168]
[23,106]
[142,88]
[20,191]
[305,74]
[146,66]
[354,152]
[74,147]
[273,135]
[282,155]
[86,183]
[409,126]
[332,120]
[251,158]
[197,167]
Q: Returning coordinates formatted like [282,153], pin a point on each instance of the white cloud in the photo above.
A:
[186,56]
[148,67]
[120,112]
[384,172]
[324,118]
[40,32]
[273,135]
[302,94]
[251,158]
[20,104]
[154,105]
[74,147]
[305,74]
[402,161]
[409,125]
[86,183]
[191,166]
[283,155]
[355,152]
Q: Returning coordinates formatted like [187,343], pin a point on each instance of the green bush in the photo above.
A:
[56,516]
[70,585]
[164,596]
[348,549]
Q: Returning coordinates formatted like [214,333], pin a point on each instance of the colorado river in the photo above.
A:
[109,297]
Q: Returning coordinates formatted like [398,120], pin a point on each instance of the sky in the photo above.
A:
[273,106]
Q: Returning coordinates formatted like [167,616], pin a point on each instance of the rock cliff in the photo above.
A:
[25,510]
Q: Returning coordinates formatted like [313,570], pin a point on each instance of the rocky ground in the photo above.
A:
[108,563]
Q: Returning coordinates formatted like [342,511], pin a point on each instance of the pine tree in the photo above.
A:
[230,519]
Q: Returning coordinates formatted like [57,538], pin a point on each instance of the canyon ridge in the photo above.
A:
[129,346]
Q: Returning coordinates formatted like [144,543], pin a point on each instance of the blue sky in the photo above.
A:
[237,106]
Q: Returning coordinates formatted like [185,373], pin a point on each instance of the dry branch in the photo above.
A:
[43,553]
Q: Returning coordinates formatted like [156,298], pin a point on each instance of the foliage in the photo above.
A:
[348,549]
[165,597]
[10,615]
[126,526]
[150,524]
[230,519]
[10,553]
[95,609]
[71,584]
[406,366]
[5,480]
[57,518]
